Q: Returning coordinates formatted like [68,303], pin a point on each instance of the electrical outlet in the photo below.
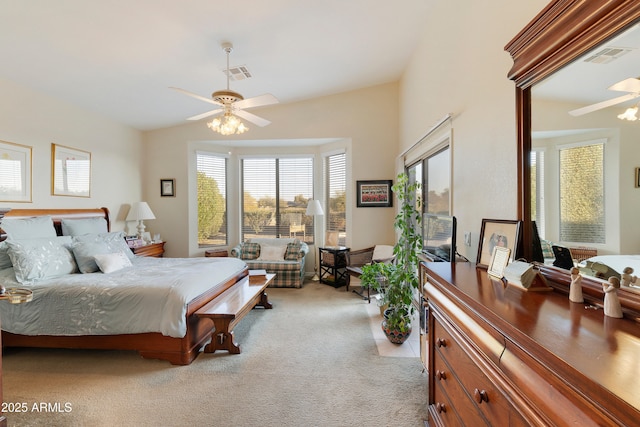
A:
[467,238]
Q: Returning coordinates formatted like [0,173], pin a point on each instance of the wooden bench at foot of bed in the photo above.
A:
[229,308]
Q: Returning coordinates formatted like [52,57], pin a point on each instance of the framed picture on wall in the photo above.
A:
[71,171]
[15,170]
[167,187]
[374,194]
[497,232]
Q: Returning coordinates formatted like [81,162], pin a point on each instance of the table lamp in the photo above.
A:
[139,212]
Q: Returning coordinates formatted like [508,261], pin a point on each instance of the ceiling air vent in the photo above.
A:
[238,73]
[607,54]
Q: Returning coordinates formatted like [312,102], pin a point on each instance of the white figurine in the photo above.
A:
[627,278]
[612,306]
[575,290]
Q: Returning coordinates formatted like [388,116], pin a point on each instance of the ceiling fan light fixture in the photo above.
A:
[228,124]
[629,114]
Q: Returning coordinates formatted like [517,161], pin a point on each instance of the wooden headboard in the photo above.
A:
[57,215]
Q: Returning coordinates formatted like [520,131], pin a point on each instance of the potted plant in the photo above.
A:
[397,281]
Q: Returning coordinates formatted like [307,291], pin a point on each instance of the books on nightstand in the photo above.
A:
[257,276]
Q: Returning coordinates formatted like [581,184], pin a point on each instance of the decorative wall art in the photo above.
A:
[167,188]
[374,194]
[15,172]
[71,171]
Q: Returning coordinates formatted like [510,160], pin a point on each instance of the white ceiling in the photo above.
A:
[119,57]
[587,82]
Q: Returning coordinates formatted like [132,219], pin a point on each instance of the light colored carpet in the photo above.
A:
[311,361]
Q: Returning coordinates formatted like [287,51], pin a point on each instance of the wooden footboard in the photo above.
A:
[178,351]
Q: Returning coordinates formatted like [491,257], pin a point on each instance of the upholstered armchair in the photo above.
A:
[357,259]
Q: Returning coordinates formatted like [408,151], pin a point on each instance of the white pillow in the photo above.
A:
[78,227]
[28,228]
[108,263]
[272,253]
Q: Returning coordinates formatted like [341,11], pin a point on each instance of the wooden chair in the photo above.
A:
[357,259]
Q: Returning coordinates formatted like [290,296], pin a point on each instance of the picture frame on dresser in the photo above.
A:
[497,232]
[15,169]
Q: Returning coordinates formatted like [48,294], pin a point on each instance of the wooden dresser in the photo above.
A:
[503,357]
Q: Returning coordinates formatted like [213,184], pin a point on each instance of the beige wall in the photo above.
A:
[36,120]
[460,68]
[364,122]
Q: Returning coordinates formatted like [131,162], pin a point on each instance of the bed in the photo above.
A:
[148,306]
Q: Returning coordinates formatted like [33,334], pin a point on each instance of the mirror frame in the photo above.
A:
[563,31]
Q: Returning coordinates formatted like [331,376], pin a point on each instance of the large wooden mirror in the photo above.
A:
[555,40]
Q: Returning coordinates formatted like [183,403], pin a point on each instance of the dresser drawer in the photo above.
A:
[442,410]
[448,383]
[469,367]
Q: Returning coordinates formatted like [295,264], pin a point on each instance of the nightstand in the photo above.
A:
[151,250]
[333,265]
[216,253]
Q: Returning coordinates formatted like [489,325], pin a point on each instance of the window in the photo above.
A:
[212,199]
[537,191]
[336,196]
[275,197]
[582,193]
[437,170]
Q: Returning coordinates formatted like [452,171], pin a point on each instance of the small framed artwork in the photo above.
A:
[167,187]
[71,171]
[637,180]
[374,194]
[15,170]
[499,261]
[497,232]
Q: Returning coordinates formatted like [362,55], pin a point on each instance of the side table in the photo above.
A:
[333,265]
[151,250]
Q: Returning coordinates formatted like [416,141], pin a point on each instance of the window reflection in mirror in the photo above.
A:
[584,156]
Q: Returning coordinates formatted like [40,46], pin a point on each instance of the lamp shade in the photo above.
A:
[314,208]
[140,210]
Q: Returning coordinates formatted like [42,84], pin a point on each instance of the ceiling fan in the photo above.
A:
[631,85]
[231,103]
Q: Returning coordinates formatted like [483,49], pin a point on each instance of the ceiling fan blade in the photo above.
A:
[193,95]
[207,114]
[631,84]
[256,101]
[603,104]
[259,121]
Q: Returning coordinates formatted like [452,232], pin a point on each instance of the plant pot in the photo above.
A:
[394,335]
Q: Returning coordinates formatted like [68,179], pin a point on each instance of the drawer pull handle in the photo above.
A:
[481,396]
[441,408]
[441,375]
[440,342]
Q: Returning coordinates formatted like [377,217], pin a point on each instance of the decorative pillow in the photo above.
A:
[28,228]
[250,251]
[84,253]
[39,259]
[547,251]
[115,241]
[293,251]
[78,227]
[5,261]
[272,253]
[109,263]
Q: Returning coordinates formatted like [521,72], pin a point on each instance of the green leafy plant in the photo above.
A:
[397,281]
